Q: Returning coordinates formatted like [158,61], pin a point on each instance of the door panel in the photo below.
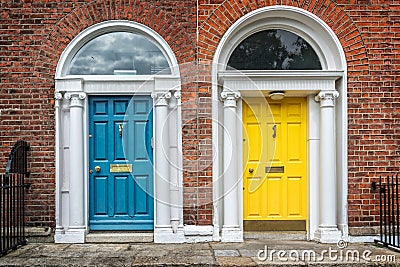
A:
[120,196]
[274,135]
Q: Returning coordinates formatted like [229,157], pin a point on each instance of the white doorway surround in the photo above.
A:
[326,94]
[71,94]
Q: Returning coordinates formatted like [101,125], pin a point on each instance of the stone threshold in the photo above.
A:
[119,237]
[275,235]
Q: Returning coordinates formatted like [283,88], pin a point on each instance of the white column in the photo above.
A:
[58,100]
[162,224]
[231,231]
[313,159]
[175,168]
[328,231]
[76,230]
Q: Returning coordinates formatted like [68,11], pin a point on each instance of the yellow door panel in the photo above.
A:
[274,192]
[255,142]
[294,146]
[294,111]
[274,135]
[295,199]
[255,211]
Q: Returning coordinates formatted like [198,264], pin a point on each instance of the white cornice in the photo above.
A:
[279,80]
[274,74]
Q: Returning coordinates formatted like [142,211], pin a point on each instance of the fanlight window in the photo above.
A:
[274,50]
[119,53]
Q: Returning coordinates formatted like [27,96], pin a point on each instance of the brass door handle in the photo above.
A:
[251,170]
[97,168]
[274,129]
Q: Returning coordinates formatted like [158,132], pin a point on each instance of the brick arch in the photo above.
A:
[227,13]
[62,33]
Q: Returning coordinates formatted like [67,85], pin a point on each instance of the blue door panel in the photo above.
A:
[121,190]
[100,107]
[121,129]
[139,150]
[140,190]
[101,144]
[100,195]
[120,107]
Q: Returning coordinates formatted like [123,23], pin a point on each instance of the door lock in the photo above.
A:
[97,168]
[251,170]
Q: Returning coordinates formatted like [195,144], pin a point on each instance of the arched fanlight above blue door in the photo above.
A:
[274,49]
[119,53]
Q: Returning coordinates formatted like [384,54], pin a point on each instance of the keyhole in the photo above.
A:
[274,129]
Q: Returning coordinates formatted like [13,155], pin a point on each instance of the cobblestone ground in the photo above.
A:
[249,253]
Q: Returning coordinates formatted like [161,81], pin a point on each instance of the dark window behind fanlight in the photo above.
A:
[274,50]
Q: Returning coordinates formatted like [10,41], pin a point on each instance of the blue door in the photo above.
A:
[121,169]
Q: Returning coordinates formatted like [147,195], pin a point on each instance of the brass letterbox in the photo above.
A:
[120,168]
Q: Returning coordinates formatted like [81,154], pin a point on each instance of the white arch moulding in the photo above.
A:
[326,94]
[72,160]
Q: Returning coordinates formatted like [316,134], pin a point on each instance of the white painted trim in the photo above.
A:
[104,85]
[295,83]
[111,26]
[276,74]
[313,159]
[114,85]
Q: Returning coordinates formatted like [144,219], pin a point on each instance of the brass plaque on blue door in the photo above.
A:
[120,167]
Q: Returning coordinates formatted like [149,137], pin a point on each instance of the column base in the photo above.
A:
[71,236]
[328,235]
[216,235]
[231,234]
[164,234]
[198,233]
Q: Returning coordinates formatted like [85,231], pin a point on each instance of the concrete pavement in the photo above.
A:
[249,253]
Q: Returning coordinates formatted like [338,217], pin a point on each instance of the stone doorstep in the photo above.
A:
[276,235]
[102,237]
[148,237]
[46,235]
[39,234]
[38,231]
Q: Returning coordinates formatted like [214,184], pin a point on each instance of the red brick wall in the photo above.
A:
[33,35]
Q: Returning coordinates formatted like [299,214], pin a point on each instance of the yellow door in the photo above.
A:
[274,147]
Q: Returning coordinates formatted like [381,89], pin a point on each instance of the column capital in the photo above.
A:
[327,98]
[178,97]
[177,94]
[75,98]
[58,96]
[161,98]
[230,98]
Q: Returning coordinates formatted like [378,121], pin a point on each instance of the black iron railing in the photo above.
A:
[12,199]
[389,215]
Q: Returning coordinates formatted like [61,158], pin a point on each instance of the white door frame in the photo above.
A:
[72,153]
[328,84]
